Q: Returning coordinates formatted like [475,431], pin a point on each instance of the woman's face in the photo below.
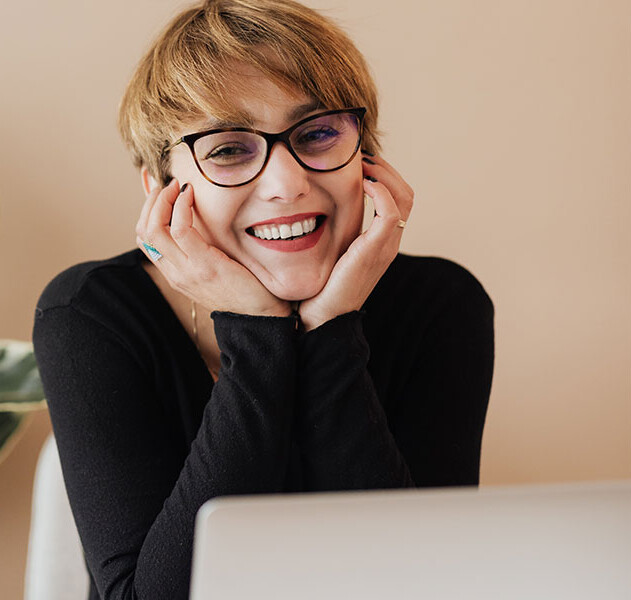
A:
[283,193]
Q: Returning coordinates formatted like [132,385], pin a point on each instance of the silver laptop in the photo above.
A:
[525,542]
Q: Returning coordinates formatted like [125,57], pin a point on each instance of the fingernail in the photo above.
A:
[183,188]
[370,162]
[369,178]
[367,153]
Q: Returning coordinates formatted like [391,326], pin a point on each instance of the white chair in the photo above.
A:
[55,567]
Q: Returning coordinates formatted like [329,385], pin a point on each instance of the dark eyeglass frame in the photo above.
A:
[271,139]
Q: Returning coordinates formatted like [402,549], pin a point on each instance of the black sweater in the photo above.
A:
[392,396]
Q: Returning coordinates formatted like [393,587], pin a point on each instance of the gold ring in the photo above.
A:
[401,224]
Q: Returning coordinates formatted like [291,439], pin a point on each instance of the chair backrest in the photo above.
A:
[55,567]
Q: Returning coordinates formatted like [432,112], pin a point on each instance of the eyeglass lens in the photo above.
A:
[323,143]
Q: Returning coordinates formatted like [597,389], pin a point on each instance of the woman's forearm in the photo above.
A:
[133,487]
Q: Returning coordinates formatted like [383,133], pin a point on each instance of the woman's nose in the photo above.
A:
[283,178]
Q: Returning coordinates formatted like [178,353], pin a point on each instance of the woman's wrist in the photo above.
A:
[311,321]
[274,307]
[309,324]
[283,310]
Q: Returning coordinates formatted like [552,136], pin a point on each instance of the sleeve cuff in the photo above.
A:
[255,340]
[337,347]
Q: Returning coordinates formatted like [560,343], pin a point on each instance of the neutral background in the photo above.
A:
[510,119]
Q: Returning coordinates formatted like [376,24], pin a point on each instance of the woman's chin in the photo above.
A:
[293,290]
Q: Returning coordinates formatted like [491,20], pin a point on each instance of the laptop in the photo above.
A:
[523,542]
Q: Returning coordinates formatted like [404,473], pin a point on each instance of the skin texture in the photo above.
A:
[209,258]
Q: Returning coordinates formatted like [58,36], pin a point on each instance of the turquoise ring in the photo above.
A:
[153,253]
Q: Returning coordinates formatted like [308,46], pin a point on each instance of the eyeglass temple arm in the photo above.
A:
[171,146]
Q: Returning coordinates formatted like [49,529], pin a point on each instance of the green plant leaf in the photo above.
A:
[20,383]
[20,389]
[9,424]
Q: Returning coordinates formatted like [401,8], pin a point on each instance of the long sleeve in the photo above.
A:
[134,497]
[439,421]
[343,430]
[414,412]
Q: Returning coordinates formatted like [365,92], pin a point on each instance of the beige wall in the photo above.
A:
[510,119]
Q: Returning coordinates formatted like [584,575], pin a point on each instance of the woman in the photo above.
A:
[257,341]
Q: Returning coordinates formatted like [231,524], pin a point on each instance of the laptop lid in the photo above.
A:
[522,542]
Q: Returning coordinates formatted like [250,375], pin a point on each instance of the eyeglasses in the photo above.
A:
[234,156]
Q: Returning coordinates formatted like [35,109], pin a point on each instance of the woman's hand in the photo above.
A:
[192,266]
[359,269]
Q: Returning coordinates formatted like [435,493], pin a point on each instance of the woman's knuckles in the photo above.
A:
[390,219]
[140,230]
[408,201]
[179,232]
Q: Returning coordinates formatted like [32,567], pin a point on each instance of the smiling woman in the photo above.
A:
[257,341]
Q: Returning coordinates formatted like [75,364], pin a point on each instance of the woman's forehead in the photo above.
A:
[270,110]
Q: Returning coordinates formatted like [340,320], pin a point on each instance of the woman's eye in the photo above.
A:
[316,135]
[227,153]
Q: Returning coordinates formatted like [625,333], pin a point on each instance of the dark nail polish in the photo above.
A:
[370,162]
[367,153]
[183,188]
[372,179]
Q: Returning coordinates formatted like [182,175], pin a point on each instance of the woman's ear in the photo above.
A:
[148,182]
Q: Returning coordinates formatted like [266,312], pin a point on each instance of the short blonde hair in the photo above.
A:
[188,73]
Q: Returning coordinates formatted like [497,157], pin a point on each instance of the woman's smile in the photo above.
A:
[289,234]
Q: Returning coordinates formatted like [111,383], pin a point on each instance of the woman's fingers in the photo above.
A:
[401,192]
[182,214]
[142,236]
[160,215]
[384,228]
[203,256]
[392,198]
[157,231]
[382,162]
[141,224]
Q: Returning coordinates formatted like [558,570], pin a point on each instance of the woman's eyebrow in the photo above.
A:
[303,110]
[246,120]
[226,123]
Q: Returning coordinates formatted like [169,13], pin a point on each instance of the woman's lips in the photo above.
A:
[304,242]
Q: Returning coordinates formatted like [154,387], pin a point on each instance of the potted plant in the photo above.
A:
[20,390]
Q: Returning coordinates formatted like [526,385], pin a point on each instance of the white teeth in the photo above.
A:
[286,230]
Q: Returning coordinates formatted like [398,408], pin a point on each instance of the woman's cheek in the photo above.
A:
[349,191]
[356,206]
